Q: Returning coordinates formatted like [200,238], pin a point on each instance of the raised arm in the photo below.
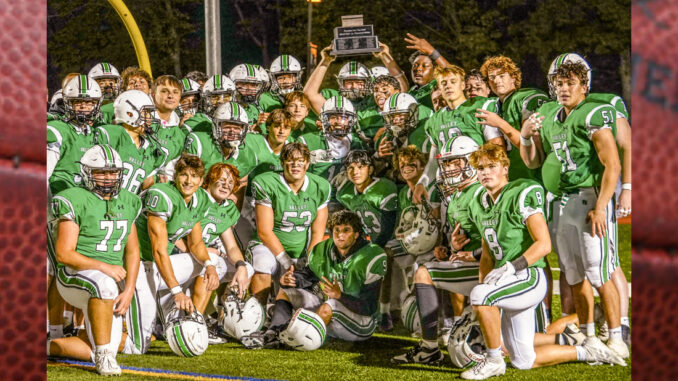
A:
[312,87]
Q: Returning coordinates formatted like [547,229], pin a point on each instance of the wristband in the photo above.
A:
[284,260]
[176,290]
[240,263]
[626,186]
[434,55]
[519,263]
[525,142]
[208,263]
[477,253]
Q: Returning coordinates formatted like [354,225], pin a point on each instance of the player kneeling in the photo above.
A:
[510,218]
[347,269]
[96,232]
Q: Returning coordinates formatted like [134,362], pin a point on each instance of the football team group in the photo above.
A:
[256,207]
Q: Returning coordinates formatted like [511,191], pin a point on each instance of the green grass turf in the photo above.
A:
[344,361]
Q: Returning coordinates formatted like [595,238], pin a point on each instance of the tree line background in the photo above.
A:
[531,32]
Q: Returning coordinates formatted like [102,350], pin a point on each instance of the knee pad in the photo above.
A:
[478,294]
[108,288]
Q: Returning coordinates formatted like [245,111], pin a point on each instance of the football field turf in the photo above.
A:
[335,361]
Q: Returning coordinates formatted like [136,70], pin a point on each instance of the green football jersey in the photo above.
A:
[252,110]
[309,127]
[417,136]
[107,113]
[326,161]
[380,196]
[104,225]
[447,123]
[458,212]
[269,101]
[517,107]
[423,93]
[165,201]
[365,266]
[293,214]
[502,223]
[71,142]
[139,162]
[570,137]
[265,160]
[203,145]
[615,100]
[197,123]
[218,219]
[171,140]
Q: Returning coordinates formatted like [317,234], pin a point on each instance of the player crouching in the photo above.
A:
[510,218]
[347,269]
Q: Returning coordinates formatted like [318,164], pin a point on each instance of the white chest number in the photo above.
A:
[288,226]
[207,231]
[132,179]
[493,243]
[448,134]
[564,157]
[370,221]
[109,226]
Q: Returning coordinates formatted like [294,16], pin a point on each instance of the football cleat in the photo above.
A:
[486,368]
[106,364]
[571,336]
[619,347]
[259,340]
[386,323]
[216,335]
[597,353]
[420,355]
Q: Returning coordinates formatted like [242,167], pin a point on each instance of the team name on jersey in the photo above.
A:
[490,222]
[300,207]
[214,219]
[560,137]
[133,160]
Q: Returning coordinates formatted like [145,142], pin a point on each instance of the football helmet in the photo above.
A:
[135,108]
[561,59]
[218,90]
[56,103]
[340,111]
[230,112]
[305,332]
[409,314]
[466,340]
[354,71]
[395,107]
[460,147]
[242,318]
[81,88]
[443,187]
[101,157]
[378,71]
[417,230]
[285,64]
[262,74]
[103,71]
[247,74]
[190,88]
[186,333]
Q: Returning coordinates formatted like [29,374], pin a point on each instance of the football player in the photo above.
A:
[423,61]
[329,148]
[348,270]
[458,118]
[166,93]
[291,213]
[108,78]
[623,192]
[286,73]
[516,104]
[96,247]
[197,76]
[131,138]
[475,85]
[171,212]
[250,84]
[297,104]
[456,271]
[133,78]
[218,89]
[510,219]
[191,94]
[580,135]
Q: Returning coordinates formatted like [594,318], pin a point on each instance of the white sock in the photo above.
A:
[588,329]
[496,352]
[430,344]
[625,321]
[384,308]
[101,347]
[56,331]
[581,353]
[615,333]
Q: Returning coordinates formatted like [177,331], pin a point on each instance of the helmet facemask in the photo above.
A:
[401,122]
[104,187]
[456,177]
[249,95]
[278,89]
[189,106]
[227,135]
[354,94]
[81,118]
[338,124]
[214,99]
[109,91]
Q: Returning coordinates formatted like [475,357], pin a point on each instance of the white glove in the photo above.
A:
[494,276]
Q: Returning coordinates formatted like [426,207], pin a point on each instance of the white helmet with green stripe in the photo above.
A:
[409,315]
[286,64]
[242,318]
[218,90]
[355,72]
[401,114]
[561,59]
[338,117]
[81,88]
[249,82]
[190,88]
[230,124]
[305,332]
[104,71]
[98,159]
[186,333]
[466,340]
